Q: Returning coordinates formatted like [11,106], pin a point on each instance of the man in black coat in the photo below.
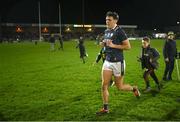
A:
[61,42]
[169,52]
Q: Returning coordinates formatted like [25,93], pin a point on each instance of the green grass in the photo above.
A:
[36,84]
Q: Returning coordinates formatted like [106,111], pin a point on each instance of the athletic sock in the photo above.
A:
[105,106]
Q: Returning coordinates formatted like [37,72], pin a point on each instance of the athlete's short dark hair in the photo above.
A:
[113,14]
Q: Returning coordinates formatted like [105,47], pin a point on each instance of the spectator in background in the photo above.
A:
[52,42]
[169,53]
[60,42]
[82,49]
[99,38]
[35,42]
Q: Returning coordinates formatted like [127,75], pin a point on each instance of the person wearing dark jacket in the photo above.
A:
[115,42]
[149,62]
[169,53]
[82,49]
[52,41]
[61,42]
[101,55]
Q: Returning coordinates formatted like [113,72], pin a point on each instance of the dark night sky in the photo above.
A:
[147,14]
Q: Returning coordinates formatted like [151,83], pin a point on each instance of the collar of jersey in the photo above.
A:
[114,27]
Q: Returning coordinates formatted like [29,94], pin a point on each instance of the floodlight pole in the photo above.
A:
[83,16]
[60,18]
[0,30]
[39,10]
[177,67]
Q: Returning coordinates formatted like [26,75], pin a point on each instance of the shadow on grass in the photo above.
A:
[154,93]
[54,110]
[2,118]
[172,115]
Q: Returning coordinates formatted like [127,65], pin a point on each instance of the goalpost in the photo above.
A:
[177,65]
[39,11]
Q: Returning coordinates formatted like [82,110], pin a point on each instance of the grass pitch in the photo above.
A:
[37,84]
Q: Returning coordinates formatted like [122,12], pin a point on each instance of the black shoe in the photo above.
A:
[159,87]
[164,78]
[147,90]
[169,78]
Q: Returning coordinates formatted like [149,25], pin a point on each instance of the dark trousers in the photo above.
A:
[169,69]
[82,53]
[152,74]
[61,45]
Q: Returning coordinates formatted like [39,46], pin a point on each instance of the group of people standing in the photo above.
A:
[114,43]
[80,45]
[52,41]
[150,56]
